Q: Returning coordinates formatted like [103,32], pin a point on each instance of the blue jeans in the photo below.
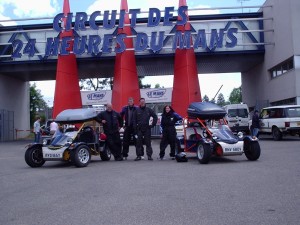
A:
[254,132]
[37,137]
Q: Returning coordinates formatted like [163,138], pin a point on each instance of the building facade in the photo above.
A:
[276,81]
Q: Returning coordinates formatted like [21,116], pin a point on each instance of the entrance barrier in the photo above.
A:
[20,132]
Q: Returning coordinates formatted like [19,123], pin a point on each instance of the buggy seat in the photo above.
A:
[87,135]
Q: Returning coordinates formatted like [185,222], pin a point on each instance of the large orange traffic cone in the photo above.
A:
[67,91]
[186,88]
[126,82]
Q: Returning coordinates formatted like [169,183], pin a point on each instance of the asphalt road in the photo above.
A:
[228,190]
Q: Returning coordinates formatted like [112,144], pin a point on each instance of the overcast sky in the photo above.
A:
[209,83]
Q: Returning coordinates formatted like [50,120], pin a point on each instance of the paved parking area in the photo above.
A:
[228,190]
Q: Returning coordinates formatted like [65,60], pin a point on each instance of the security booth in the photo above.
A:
[6,125]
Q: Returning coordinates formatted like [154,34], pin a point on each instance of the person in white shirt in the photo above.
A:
[37,129]
[53,127]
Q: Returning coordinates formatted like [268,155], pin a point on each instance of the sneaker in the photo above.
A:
[142,157]
[124,158]
[150,158]
[138,158]
[173,157]
[119,159]
[160,158]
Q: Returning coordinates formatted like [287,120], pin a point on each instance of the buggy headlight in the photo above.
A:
[69,141]
[240,135]
[45,141]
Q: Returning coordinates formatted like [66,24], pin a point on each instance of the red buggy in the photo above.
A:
[206,133]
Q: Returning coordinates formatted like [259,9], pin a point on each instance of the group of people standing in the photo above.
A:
[136,122]
[54,129]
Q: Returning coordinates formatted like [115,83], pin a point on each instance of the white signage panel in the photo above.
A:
[157,95]
[101,97]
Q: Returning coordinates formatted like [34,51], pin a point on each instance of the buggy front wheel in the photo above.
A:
[81,156]
[34,157]
[252,150]
[203,153]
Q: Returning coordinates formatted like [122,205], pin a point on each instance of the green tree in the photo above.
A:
[227,102]
[103,83]
[143,86]
[37,103]
[96,84]
[205,98]
[221,100]
[235,96]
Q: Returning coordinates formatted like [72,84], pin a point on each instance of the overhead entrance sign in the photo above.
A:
[157,36]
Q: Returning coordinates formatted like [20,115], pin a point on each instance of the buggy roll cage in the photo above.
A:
[187,121]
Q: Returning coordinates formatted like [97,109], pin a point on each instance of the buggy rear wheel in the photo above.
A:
[252,150]
[203,153]
[105,155]
[81,156]
[34,157]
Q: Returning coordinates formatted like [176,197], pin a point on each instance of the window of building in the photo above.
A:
[289,101]
[282,68]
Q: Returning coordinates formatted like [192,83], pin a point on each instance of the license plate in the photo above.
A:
[52,155]
[232,149]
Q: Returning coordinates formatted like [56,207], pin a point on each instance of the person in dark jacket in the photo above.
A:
[168,120]
[142,129]
[127,115]
[255,123]
[112,121]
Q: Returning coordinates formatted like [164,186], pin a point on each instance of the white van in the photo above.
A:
[237,116]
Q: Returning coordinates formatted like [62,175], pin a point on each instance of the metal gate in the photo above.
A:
[6,125]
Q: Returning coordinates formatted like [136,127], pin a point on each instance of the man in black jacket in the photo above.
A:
[142,129]
[112,121]
[127,115]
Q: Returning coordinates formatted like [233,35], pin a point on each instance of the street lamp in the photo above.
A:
[241,1]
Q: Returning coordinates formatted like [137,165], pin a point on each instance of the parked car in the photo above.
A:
[74,145]
[45,130]
[207,134]
[280,120]
[237,117]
